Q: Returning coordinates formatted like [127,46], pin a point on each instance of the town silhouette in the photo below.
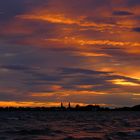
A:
[71,108]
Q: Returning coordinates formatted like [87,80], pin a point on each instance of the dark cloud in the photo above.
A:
[9,9]
[93,77]
[100,80]
[100,20]
[136,29]
[15,67]
[81,71]
[122,13]
[133,2]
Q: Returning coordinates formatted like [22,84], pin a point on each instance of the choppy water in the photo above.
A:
[69,125]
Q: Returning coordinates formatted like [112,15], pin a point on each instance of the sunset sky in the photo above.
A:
[78,51]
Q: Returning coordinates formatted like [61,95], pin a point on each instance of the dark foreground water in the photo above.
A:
[69,125]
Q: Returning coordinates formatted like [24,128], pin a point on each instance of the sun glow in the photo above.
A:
[124,82]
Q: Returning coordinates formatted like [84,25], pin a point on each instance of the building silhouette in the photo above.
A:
[62,105]
[69,105]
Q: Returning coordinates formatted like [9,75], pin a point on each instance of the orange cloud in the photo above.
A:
[82,42]
[62,18]
[26,104]
[136,94]
[66,93]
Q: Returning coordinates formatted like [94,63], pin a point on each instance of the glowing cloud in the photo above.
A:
[124,82]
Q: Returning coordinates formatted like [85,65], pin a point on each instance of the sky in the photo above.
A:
[78,51]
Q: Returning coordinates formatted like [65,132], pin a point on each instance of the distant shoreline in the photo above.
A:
[76,108]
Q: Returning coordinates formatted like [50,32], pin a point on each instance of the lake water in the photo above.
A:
[69,125]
